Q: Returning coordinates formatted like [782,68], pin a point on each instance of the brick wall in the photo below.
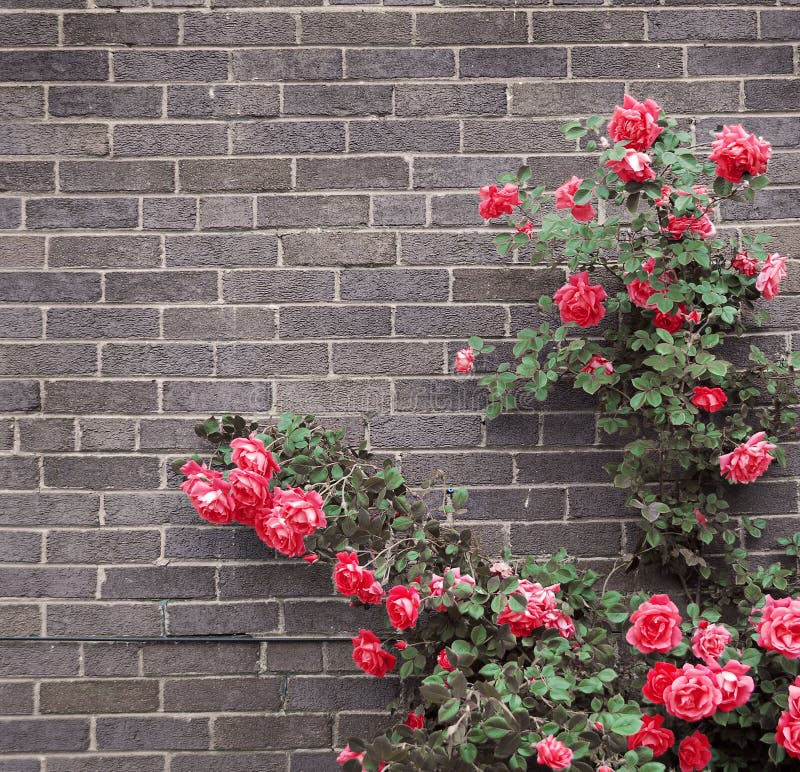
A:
[257,207]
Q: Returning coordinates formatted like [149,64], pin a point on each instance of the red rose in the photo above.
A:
[551,752]
[748,461]
[652,735]
[779,627]
[581,302]
[370,656]
[498,201]
[656,626]
[694,752]
[415,720]
[734,684]
[658,679]
[735,152]
[709,399]
[746,265]
[402,606]
[251,493]
[565,199]
[636,123]
[303,509]
[443,662]
[787,734]
[693,694]
[634,167]
[251,455]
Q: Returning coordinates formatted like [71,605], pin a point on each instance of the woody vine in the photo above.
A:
[517,663]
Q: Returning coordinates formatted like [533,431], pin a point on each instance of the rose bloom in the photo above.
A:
[652,735]
[465,360]
[498,201]
[658,679]
[694,753]
[779,626]
[734,684]
[636,123]
[251,455]
[710,399]
[669,322]
[443,662]
[251,493]
[735,152]
[634,167]
[565,199]
[772,272]
[598,363]
[551,752]
[787,734]
[693,694]
[748,461]
[745,264]
[678,227]
[303,509]
[348,575]
[370,656]
[402,606]
[709,641]
[656,626]
[415,720]
[581,302]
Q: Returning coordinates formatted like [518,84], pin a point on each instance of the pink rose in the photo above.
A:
[659,678]
[565,199]
[634,167]
[251,493]
[465,360]
[694,694]
[779,627]
[656,626]
[551,752]
[636,123]
[709,641]
[734,684]
[498,201]
[735,152]
[598,363]
[402,606]
[677,227]
[581,302]
[303,509]
[694,753]
[772,272]
[709,399]
[370,656]
[210,495]
[748,461]
[652,735]
[746,265]
[251,455]
[443,662]
[787,734]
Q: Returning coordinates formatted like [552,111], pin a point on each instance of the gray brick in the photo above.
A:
[212,396]
[82,213]
[220,101]
[780,25]
[344,248]
[105,252]
[395,284]
[38,735]
[739,60]
[22,101]
[17,697]
[345,173]
[222,694]
[511,62]
[290,211]
[232,175]
[21,547]
[97,29]
[355,28]
[21,322]
[117,176]
[159,582]
[393,358]
[95,696]
[277,285]
[288,137]
[170,139]
[286,64]
[170,66]
[339,321]
[449,321]
[566,98]
[271,359]
[101,472]
[102,323]
[435,431]
[616,62]
[249,617]
[440,172]
[102,763]
[157,359]
[161,286]
[471,28]
[587,27]
[103,619]
[772,95]
[398,136]
[221,250]
[105,101]
[395,63]
[398,210]
[177,213]
[151,733]
[107,434]
[48,359]
[238,29]
[130,397]
[218,323]
[27,176]
[53,139]
[53,65]
[337,100]
[229,762]
[341,396]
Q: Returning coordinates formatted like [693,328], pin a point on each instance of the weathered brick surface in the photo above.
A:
[208,206]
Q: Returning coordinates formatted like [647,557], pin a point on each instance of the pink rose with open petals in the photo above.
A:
[709,641]
[465,360]
[496,202]
[402,606]
[736,152]
[634,167]
[656,626]
[746,265]
[734,684]
[251,455]
[748,461]
[787,734]
[772,273]
[636,123]
[596,363]
[581,302]
[565,199]
[694,694]
[250,491]
[551,752]
[779,627]
[694,753]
